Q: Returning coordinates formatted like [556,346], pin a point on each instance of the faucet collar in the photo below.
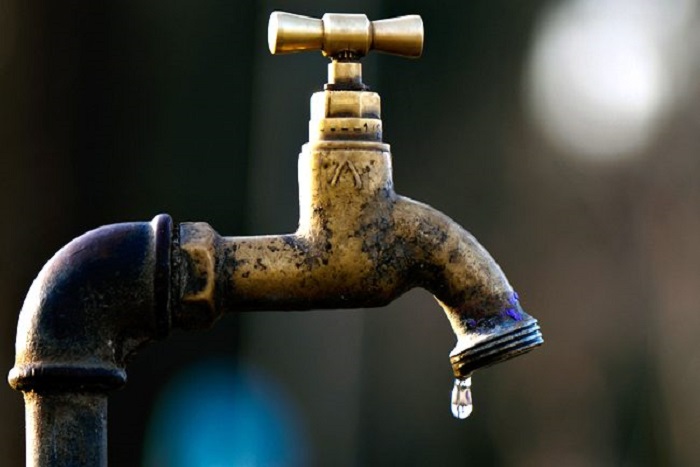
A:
[345,76]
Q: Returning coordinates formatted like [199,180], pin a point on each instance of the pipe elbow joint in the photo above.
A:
[100,298]
[481,305]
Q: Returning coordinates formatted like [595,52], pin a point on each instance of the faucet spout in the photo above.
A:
[481,305]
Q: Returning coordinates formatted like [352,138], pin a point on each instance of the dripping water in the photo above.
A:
[462,404]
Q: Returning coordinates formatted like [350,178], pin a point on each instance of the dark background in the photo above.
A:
[117,111]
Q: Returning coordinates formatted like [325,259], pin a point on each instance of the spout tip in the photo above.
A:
[497,349]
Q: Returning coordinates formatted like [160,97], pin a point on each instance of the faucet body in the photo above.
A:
[359,244]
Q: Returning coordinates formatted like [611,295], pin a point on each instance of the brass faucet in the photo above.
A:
[359,244]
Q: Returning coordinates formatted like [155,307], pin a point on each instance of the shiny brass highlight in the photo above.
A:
[340,35]
[399,36]
[288,33]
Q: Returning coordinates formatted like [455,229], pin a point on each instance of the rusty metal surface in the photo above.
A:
[98,300]
[66,429]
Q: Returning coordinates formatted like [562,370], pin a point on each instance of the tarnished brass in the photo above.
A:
[359,244]
[345,73]
[345,35]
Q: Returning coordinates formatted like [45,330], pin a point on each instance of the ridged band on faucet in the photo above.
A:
[510,343]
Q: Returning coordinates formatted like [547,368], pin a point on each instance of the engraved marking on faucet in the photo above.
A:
[342,165]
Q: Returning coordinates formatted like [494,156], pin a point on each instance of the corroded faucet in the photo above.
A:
[359,244]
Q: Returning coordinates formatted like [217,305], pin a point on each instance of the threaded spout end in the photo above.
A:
[497,349]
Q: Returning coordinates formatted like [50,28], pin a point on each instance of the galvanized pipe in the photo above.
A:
[97,301]
[66,429]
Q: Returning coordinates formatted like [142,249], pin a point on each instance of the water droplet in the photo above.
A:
[462,398]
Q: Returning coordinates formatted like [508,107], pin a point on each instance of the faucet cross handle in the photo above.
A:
[345,37]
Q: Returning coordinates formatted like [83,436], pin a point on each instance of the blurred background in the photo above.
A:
[564,134]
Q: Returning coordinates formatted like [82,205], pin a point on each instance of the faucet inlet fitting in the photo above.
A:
[359,244]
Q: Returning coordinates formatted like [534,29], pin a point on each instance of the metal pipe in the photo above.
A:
[66,429]
[97,301]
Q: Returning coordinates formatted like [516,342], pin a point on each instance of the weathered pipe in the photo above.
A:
[98,300]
